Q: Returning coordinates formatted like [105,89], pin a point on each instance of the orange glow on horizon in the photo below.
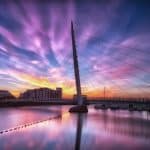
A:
[68,93]
[68,86]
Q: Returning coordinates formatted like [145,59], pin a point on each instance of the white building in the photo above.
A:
[42,94]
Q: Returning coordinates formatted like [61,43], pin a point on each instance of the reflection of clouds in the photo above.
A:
[48,132]
[120,124]
[101,129]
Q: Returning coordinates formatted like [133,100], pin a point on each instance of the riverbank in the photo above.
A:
[34,103]
[130,107]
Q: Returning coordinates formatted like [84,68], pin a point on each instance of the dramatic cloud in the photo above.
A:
[112,41]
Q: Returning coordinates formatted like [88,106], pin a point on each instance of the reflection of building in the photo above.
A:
[5,95]
[42,94]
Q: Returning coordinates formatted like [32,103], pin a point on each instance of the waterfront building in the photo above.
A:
[42,94]
[6,95]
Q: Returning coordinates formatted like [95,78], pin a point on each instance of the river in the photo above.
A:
[55,128]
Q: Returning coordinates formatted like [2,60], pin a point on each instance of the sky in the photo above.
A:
[112,38]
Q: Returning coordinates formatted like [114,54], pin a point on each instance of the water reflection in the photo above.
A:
[79,131]
[102,129]
[11,117]
[120,128]
[122,123]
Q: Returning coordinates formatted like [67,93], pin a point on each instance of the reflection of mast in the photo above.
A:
[76,67]
[79,132]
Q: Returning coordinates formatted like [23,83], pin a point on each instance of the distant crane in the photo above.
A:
[104,92]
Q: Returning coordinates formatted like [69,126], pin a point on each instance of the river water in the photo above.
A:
[54,128]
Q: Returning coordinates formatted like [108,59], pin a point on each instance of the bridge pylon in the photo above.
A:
[80,103]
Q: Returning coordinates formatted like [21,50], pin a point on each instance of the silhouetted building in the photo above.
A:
[42,94]
[6,95]
[59,92]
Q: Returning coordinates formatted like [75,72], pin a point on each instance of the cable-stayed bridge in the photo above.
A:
[79,91]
